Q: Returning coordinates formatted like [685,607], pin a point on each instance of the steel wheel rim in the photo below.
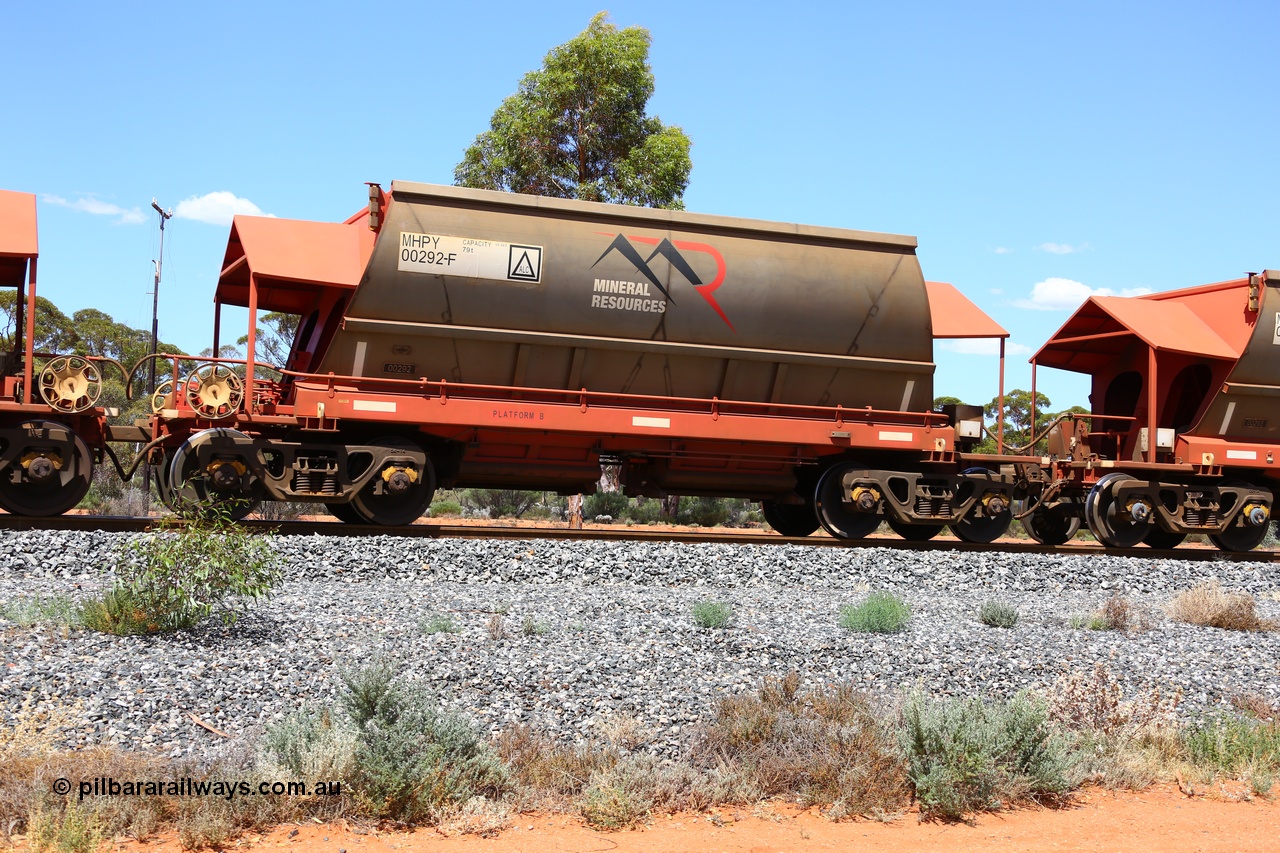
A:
[790,519]
[42,500]
[394,511]
[190,494]
[1103,515]
[830,511]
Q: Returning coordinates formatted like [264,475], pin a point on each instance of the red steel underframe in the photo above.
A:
[606,421]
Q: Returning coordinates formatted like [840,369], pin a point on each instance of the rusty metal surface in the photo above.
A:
[955,316]
[631,300]
[290,258]
[18,225]
[18,240]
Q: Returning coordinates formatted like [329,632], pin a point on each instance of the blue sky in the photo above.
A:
[1039,151]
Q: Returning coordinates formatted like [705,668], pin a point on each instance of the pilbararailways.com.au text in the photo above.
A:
[103,786]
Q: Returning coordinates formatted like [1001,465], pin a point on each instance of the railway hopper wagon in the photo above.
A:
[51,429]
[455,337]
[1185,431]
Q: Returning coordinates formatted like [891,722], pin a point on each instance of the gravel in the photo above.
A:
[610,640]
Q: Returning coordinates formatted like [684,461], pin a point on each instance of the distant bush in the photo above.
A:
[1234,747]
[879,613]
[501,503]
[645,511]
[1116,614]
[703,511]
[612,504]
[712,614]
[997,614]
[1213,607]
[445,509]
[966,756]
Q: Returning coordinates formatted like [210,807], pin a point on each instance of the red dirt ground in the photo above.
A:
[1161,819]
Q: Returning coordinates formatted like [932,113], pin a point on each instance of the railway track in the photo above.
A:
[116,524]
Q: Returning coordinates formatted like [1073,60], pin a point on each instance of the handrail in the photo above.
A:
[175,358]
[101,358]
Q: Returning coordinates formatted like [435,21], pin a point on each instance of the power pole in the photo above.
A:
[155,334]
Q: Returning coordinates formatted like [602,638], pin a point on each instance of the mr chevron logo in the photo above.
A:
[671,251]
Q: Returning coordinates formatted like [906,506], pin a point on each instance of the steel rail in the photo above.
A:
[433,530]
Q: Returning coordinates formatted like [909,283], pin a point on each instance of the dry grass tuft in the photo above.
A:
[829,746]
[1214,607]
[1130,744]
[1257,706]
[545,769]
[1093,702]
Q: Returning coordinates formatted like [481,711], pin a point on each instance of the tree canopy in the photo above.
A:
[577,128]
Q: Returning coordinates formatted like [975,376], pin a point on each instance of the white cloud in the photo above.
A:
[1063,294]
[216,208]
[97,207]
[997,291]
[982,346]
[1002,250]
[1061,248]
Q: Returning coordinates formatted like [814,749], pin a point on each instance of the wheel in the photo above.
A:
[224,487]
[790,519]
[915,532]
[399,492]
[160,475]
[1050,526]
[51,471]
[1162,539]
[837,517]
[344,512]
[214,391]
[1109,520]
[1241,535]
[70,384]
[985,528]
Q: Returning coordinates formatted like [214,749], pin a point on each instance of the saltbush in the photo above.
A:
[879,613]
[965,756]
[414,762]
[997,614]
[712,614]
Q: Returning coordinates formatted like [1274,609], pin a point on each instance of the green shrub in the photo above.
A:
[880,613]
[445,509]
[712,614]
[414,762]
[612,504]
[531,627]
[311,745]
[438,623]
[997,614]
[1234,746]
[28,611]
[645,511]
[965,756]
[501,503]
[180,575]
[703,511]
